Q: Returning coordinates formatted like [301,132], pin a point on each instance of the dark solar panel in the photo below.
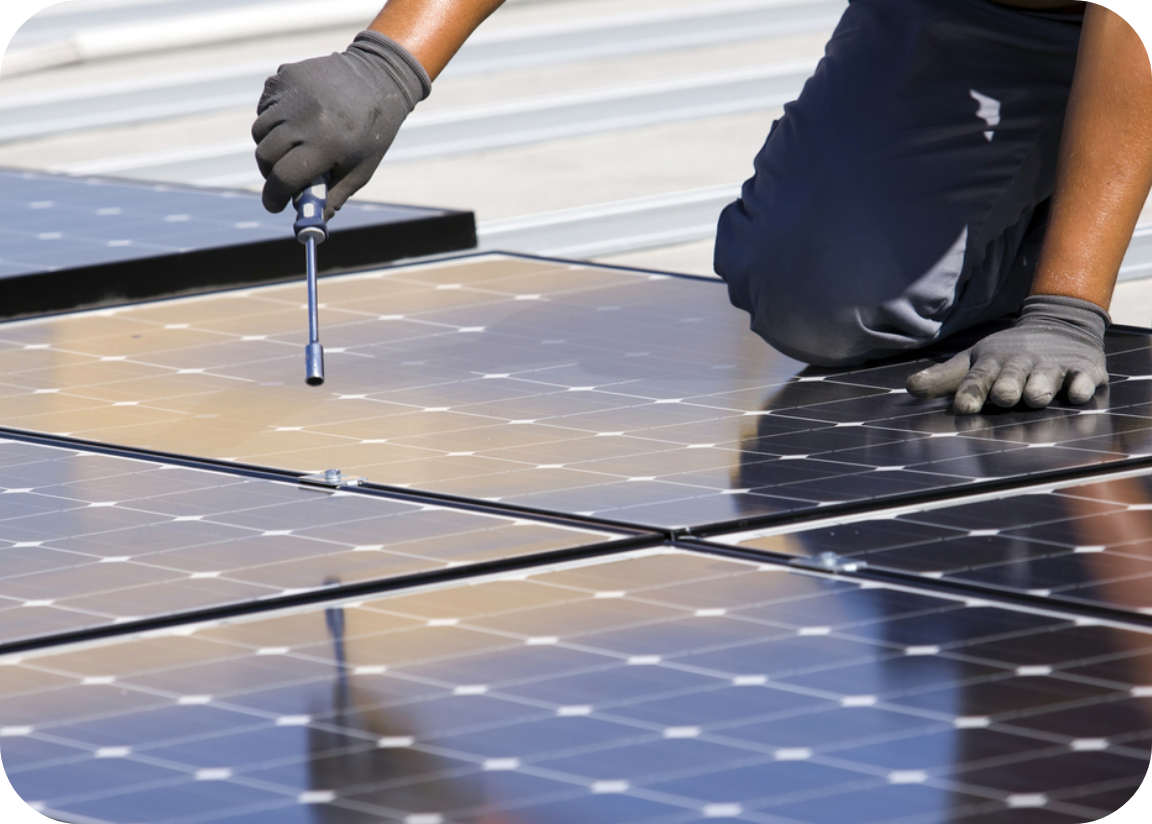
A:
[661,686]
[67,242]
[90,540]
[1087,544]
[625,395]
[654,685]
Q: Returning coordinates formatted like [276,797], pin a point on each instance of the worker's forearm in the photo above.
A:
[1105,167]
[432,30]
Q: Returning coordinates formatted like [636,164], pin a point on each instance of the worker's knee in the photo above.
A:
[815,333]
[803,297]
[810,325]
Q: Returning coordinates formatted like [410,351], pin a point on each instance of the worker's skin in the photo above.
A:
[432,30]
[1103,178]
[1105,167]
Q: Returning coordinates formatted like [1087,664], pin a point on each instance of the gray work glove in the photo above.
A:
[336,114]
[1058,343]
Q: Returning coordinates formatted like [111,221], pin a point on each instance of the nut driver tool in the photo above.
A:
[312,230]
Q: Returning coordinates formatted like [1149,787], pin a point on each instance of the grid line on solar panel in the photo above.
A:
[90,540]
[625,395]
[661,684]
[1083,543]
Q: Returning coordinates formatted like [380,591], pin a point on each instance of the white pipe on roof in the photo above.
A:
[290,16]
[187,32]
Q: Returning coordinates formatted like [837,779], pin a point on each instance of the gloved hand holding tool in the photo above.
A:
[322,128]
[334,115]
[1058,343]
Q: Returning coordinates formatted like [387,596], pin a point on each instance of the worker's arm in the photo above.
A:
[339,114]
[432,30]
[1105,169]
[1102,182]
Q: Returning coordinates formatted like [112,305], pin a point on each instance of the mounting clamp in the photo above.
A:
[331,478]
[829,562]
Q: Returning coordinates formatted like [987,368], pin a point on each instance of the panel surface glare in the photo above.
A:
[87,540]
[658,686]
[628,395]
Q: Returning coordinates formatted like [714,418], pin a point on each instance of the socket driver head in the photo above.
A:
[314,364]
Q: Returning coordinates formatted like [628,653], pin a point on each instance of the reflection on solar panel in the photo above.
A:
[627,395]
[70,242]
[1088,543]
[87,540]
[524,632]
[661,687]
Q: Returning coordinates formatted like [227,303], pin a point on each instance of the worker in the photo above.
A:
[950,163]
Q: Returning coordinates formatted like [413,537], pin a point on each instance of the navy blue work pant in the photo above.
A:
[903,196]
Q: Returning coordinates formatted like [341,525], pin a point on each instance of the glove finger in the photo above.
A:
[272,149]
[291,175]
[941,379]
[343,187]
[973,389]
[1043,385]
[268,119]
[1009,385]
[1082,386]
[1099,371]
[271,94]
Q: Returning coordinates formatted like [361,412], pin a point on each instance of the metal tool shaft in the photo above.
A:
[312,229]
[313,310]
[313,352]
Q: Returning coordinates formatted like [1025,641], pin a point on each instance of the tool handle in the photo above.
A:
[310,204]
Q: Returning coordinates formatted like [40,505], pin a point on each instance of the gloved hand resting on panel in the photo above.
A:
[1058,343]
[336,114]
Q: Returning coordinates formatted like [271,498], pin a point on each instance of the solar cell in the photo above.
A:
[1085,544]
[632,396]
[658,685]
[90,540]
[67,242]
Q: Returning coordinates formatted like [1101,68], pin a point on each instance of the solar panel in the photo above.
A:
[69,242]
[90,540]
[630,396]
[654,686]
[1079,544]
[194,634]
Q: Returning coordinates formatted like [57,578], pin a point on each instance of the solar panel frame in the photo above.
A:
[1082,545]
[93,544]
[71,242]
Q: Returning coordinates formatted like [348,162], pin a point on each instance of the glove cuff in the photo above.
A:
[398,62]
[1081,317]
